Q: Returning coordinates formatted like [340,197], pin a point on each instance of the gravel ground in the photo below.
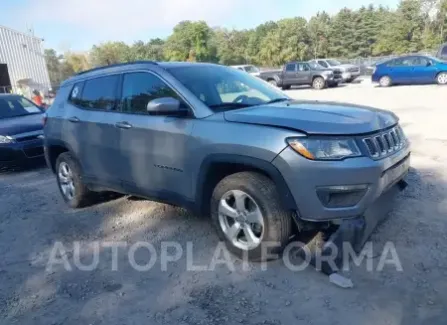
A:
[33,218]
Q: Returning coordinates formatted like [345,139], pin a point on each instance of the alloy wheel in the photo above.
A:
[442,78]
[241,219]
[66,181]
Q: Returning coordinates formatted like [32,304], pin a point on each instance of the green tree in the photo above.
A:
[319,26]
[190,41]
[110,53]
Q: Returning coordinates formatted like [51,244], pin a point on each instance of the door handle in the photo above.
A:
[73,119]
[123,125]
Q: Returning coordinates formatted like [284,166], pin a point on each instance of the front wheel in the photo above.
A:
[318,83]
[273,82]
[442,78]
[248,216]
[286,87]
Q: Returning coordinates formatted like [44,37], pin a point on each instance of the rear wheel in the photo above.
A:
[74,192]
[385,81]
[247,213]
[442,78]
[318,83]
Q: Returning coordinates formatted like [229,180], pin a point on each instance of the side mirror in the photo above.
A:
[429,64]
[165,106]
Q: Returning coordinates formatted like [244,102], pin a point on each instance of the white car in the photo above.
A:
[251,69]
[349,72]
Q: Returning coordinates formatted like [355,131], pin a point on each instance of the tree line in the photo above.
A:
[416,25]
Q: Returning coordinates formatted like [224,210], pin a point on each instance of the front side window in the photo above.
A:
[99,93]
[303,67]
[251,69]
[222,88]
[444,50]
[140,88]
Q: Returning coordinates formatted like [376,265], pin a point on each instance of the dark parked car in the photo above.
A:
[411,69]
[255,160]
[298,73]
[21,130]
[442,53]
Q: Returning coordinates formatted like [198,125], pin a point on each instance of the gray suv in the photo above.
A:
[223,143]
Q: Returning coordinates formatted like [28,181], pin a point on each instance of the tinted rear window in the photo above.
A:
[99,93]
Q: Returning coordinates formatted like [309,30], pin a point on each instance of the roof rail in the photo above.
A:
[115,65]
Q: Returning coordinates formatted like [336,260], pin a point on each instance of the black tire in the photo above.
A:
[82,196]
[385,81]
[286,87]
[441,78]
[277,220]
[318,83]
[273,82]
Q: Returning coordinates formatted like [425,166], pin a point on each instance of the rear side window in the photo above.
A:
[444,50]
[140,88]
[99,93]
[75,94]
[291,67]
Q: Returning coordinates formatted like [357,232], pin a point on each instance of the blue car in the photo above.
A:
[411,69]
[21,130]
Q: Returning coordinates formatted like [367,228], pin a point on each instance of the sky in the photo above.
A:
[77,25]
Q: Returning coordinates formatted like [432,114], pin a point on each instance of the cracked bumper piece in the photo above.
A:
[355,231]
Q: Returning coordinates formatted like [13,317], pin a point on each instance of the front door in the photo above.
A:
[424,71]
[304,74]
[155,148]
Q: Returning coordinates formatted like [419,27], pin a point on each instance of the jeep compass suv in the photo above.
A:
[223,143]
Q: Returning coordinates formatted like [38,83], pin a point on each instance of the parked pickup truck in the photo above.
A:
[298,73]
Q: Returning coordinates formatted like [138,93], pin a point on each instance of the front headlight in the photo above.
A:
[6,139]
[327,74]
[325,149]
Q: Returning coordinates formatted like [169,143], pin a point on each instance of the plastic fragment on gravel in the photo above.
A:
[340,280]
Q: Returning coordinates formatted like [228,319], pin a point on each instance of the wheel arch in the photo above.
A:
[53,149]
[217,166]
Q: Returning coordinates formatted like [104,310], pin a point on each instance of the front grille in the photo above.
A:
[385,143]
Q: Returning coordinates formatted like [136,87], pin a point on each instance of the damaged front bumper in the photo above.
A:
[326,247]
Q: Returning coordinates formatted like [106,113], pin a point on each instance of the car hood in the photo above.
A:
[315,117]
[21,124]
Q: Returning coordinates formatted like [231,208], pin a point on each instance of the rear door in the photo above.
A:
[154,148]
[400,70]
[90,129]
[304,74]
[290,74]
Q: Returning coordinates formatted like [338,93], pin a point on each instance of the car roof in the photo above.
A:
[122,67]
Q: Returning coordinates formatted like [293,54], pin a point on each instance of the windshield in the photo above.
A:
[223,88]
[315,66]
[15,106]
[251,69]
[333,63]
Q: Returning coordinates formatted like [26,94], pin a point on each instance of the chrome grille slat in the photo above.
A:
[385,143]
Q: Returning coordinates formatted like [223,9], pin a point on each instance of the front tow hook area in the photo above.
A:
[327,247]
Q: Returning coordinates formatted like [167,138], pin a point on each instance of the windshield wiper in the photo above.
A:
[277,100]
[230,105]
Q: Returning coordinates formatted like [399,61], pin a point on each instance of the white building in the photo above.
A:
[22,62]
